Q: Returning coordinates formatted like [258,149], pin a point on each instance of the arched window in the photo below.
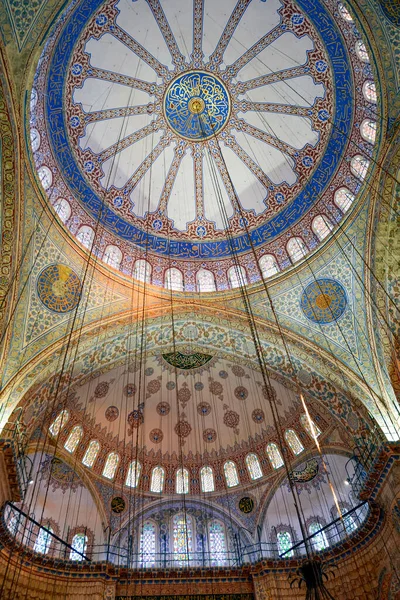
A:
[73,439]
[253,466]
[148,544]
[312,428]
[63,209]
[112,256]
[182,481]
[207,479]
[111,465]
[35,139]
[293,441]
[343,199]
[237,276]
[268,265]
[296,249]
[174,279]
[349,524]
[133,474]
[361,51]
[85,236]
[369,91]
[79,545]
[205,281]
[344,12]
[274,456]
[45,177]
[231,474]
[319,541]
[359,166]
[368,130]
[142,270]
[43,540]
[91,453]
[321,227]
[59,423]
[285,543]
[182,538]
[157,480]
[217,543]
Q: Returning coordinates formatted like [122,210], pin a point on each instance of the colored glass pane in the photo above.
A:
[148,544]
[132,477]
[359,165]
[91,453]
[205,281]
[268,265]
[321,227]
[142,271]
[343,199]
[274,456]
[111,465]
[73,438]
[237,276]
[59,423]
[312,428]
[79,544]
[296,248]
[293,441]
[319,541]
[254,467]
[112,256]
[284,540]
[368,130]
[174,279]
[182,538]
[217,543]
[46,177]
[182,481]
[361,51]
[86,236]
[369,91]
[43,540]
[207,479]
[231,474]
[63,209]
[157,480]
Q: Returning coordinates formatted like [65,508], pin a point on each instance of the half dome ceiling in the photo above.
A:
[173,131]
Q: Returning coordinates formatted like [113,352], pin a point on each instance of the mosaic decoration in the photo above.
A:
[118,505]
[391,10]
[307,473]
[156,436]
[163,408]
[204,408]
[209,435]
[59,474]
[246,505]
[59,288]
[323,301]
[112,413]
[197,105]
[186,361]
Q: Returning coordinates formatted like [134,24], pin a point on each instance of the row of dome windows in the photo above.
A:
[182,474]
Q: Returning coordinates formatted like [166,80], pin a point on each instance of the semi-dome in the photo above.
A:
[199,149]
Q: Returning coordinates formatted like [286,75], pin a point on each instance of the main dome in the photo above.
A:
[200,136]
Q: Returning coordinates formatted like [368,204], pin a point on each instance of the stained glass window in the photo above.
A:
[148,544]
[132,477]
[111,465]
[91,453]
[296,248]
[59,423]
[43,540]
[321,227]
[268,265]
[361,51]
[274,456]
[182,481]
[306,424]
[79,544]
[293,441]
[319,541]
[237,276]
[359,165]
[369,91]
[73,438]
[284,540]
[157,480]
[253,465]
[182,536]
[207,479]
[344,12]
[343,199]
[142,270]
[231,474]
[368,130]
[112,256]
[217,543]
[205,281]
[174,279]
[63,209]
[85,236]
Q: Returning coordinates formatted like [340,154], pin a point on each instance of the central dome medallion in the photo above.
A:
[197,105]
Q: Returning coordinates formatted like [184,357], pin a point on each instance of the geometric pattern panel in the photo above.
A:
[323,301]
